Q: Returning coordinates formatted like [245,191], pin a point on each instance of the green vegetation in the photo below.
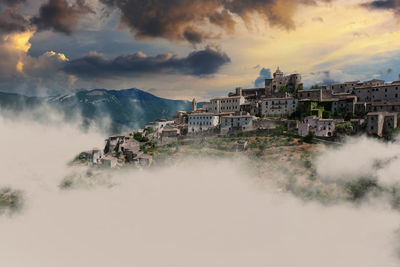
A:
[148,148]
[357,189]
[10,200]
[345,128]
[150,130]
[139,137]
[309,138]
[284,89]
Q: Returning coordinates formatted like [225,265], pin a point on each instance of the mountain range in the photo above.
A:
[114,110]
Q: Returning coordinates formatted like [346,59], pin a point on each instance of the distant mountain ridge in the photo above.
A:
[116,110]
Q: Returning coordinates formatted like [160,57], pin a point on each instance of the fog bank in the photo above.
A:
[195,213]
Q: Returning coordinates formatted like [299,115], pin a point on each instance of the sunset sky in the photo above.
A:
[192,48]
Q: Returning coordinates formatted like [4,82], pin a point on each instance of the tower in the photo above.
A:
[278,74]
[194,105]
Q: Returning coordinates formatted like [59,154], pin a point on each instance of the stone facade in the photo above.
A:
[382,93]
[320,127]
[239,122]
[379,123]
[278,107]
[273,86]
[226,104]
[199,122]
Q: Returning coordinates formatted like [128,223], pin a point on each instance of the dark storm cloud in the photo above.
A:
[60,16]
[393,5]
[383,4]
[10,18]
[198,63]
[181,19]
[11,3]
[11,21]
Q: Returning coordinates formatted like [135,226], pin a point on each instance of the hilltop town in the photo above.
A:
[325,112]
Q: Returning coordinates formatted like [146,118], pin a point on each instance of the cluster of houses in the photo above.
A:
[119,150]
[371,106]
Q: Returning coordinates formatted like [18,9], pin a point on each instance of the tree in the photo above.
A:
[315,86]
[284,89]
[326,114]
[139,137]
[309,138]
[344,128]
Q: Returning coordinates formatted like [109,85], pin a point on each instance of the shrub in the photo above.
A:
[359,188]
[280,129]
[139,137]
[309,138]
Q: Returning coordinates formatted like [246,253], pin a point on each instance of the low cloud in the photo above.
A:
[198,63]
[216,216]
[328,77]
[362,157]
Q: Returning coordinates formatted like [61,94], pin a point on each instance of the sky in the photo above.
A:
[182,49]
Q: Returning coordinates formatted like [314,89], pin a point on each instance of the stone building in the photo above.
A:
[379,123]
[94,156]
[180,117]
[237,122]
[310,95]
[199,122]
[345,87]
[159,125]
[109,162]
[380,93]
[225,104]
[278,107]
[318,126]
[274,85]
[170,134]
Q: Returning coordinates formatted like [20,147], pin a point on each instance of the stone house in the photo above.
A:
[109,162]
[170,134]
[379,123]
[199,122]
[318,126]
[94,156]
[278,107]
[237,122]
[345,87]
[380,93]
[273,86]
[225,104]
[180,117]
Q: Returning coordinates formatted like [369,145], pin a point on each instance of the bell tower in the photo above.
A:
[194,105]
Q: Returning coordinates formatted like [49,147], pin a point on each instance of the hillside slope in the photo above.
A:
[115,110]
